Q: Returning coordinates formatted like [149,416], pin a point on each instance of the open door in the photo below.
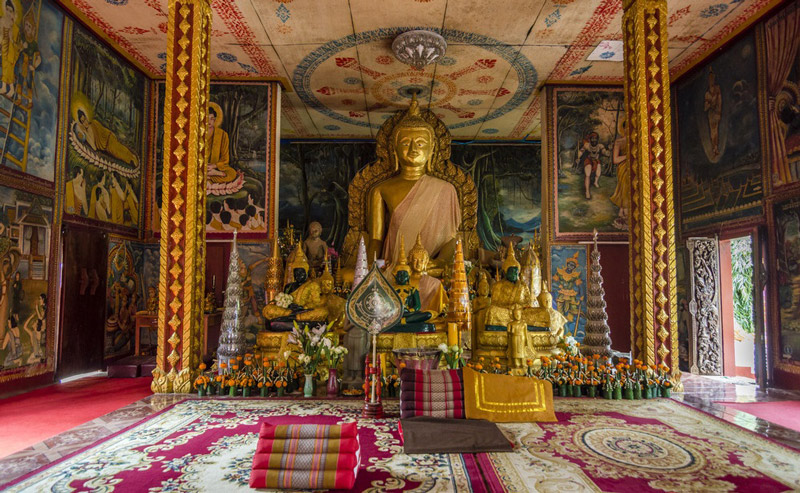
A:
[83,301]
[705,335]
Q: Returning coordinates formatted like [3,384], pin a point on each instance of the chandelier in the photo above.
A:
[419,48]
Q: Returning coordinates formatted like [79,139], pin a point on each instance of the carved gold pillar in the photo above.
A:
[654,337]
[182,277]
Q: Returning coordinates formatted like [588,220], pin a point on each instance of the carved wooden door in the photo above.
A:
[705,336]
[83,301]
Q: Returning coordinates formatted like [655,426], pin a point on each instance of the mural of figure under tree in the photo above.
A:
[106,134]
[237,170]
[25,228]
[787,246]
[719,140]
[29,84]
[509,182]
[587,158]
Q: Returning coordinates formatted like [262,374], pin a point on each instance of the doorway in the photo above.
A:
[737,308]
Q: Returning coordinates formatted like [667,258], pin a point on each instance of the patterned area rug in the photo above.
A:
[597,445]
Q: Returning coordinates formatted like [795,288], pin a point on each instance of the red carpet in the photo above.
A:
[33,417]
[784,413]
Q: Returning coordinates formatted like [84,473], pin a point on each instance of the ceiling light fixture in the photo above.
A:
[419,48]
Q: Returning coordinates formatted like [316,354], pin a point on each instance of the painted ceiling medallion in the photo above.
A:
[419,48]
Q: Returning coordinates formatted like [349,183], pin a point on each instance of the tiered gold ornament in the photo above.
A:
[459,311]
[273,283]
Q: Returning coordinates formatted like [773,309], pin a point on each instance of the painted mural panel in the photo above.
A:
[782,33]
[315,179]
[509,179]
[238,179]
[31,69]
[253,270]
[787,242]
[568,286]
[589,171]
[719,142]
[132,277]
[106,135]
[25,227]
[314,185]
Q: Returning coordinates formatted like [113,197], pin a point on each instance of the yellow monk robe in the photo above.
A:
[117,205]
[105,140]
[219,157]
[75,199]
[9,46]
[132,206]
[430,209]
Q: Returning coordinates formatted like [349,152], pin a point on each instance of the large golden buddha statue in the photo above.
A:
[412,190]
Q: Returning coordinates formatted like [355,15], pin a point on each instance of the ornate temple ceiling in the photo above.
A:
[344,80]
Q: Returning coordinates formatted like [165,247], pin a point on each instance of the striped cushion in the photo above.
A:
[436,393]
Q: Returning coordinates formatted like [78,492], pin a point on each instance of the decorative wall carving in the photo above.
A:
[704,305]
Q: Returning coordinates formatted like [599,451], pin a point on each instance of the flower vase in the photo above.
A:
[666,392]
[555,390]
[629,394]
[637,392]
[232,391]
[246,392]
[647,394]
[564,390]
[201,392]
[576,391]
[281,391]
[308,388]
[607,394]
[592,391]
[617,393]
[333,383]
[263,391]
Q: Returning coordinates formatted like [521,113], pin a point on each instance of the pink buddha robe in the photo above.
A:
[430,209]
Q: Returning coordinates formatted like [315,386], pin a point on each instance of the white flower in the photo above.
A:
[283,300]
[306,359]
[571,341]
[292,340]
[326,342]
[286,354]
[315,340]
[455,348]
[443,348]
[344,350]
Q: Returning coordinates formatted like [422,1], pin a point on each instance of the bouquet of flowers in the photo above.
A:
[453,355]
[312,344]
[283,300]
[334,355]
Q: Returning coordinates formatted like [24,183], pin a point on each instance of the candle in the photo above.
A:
[452,334]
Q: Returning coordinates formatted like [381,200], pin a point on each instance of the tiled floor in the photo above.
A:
[699,392]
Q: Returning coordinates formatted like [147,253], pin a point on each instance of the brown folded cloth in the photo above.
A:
[455,436]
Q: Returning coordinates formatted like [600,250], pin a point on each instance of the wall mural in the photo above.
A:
[253,269]
[25,226]
[238,176]
[719,142]
[568,286]
[29,81]
[787,252]
[588,157]
[315,179]
[509,179]
[106,134]
[132,271]
[314,184]
[782,33]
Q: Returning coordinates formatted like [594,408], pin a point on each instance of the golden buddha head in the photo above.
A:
[483,286]
[413,140]
[418,257]
[545,299]
[326,281]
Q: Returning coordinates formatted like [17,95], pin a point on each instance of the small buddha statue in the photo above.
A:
[413,318]
[531,274]
[507,293]
[517,339]
[482,300]
[299,267]
[413,203]
[152,300]
[327,307]
[209,303]
[433,298]
[315,247]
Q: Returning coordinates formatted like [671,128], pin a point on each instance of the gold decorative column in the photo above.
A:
[654,336]
[182,277]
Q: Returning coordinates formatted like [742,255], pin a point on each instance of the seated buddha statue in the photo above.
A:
[413,203]
[327,307]
[506,294]
[433,298]
[413,317]
[298,266]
